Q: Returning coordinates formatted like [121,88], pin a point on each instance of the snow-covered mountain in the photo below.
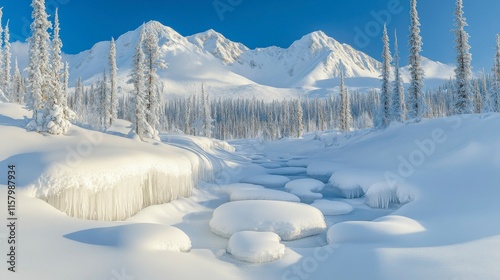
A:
[310,65]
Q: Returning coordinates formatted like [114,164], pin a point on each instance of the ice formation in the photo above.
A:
[287,219]
[256,247]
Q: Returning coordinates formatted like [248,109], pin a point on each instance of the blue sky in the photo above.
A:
[261,23]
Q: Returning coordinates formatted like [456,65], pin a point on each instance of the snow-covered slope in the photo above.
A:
[310,64]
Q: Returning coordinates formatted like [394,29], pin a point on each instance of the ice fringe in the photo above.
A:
[117,188]
[382,195]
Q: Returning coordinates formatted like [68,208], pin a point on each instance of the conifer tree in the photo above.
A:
[113,97]
[385,93]
[398,97]
[415,91]
[463,72]
[6,87]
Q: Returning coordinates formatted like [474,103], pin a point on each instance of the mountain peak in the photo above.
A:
[218,45]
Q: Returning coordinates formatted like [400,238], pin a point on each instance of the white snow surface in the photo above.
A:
[256,247]
[262,194]
[289,220]
[270,181]
[444,171]
[332,208]
[305,188]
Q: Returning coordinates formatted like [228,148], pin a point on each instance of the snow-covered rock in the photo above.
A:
[287,171]
[306,189]
[332,208]
[256,247]
[262,194]
[270,181]
[287,219]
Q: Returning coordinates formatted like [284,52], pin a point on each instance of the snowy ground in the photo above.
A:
[436,183]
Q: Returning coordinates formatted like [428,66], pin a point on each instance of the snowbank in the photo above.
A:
[262,194]
[256,247]
[306,189]
[270,181]
[382,229]
[287,219]
[349,185]
[332,208]
[156,237]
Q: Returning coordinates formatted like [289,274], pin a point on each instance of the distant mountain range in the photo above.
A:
[311,65]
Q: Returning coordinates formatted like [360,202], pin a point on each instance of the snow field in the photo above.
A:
[332,208]
[287,219]
[256,247]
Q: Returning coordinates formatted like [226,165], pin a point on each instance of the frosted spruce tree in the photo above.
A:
[153,62]
[113,96]
[140,90]
[385,93]
[398,96]
[345,106]
[300,118]
[17,85]
[7,80]
[478,100]
[463,72]
[39,73]
[207,115]
[495,91]
[57,120]
[415,91]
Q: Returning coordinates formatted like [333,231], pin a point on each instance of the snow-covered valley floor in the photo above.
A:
[413,201]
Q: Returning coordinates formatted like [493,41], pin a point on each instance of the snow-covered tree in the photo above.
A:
[113,97]
[140,90]
[345,106]
[153,62]
[300,119]
[398,96]
[478,100]
[495,91]
[463,72]
[207,115]
[6,87]
[39,74]
[415,106]
[58,117]
[385,93]
[18,90]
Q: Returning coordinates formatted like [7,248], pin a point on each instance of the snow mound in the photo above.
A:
[287,171]
[270,181]
[287,219]
[156,237]
[350,186]
[306,189]
[382,229]
[256,247]
[298,163]
[332,208]
[262,194]
[321,170]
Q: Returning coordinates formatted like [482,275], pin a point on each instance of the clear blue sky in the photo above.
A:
[261,23]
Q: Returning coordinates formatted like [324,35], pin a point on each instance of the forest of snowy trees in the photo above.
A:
[45,90]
